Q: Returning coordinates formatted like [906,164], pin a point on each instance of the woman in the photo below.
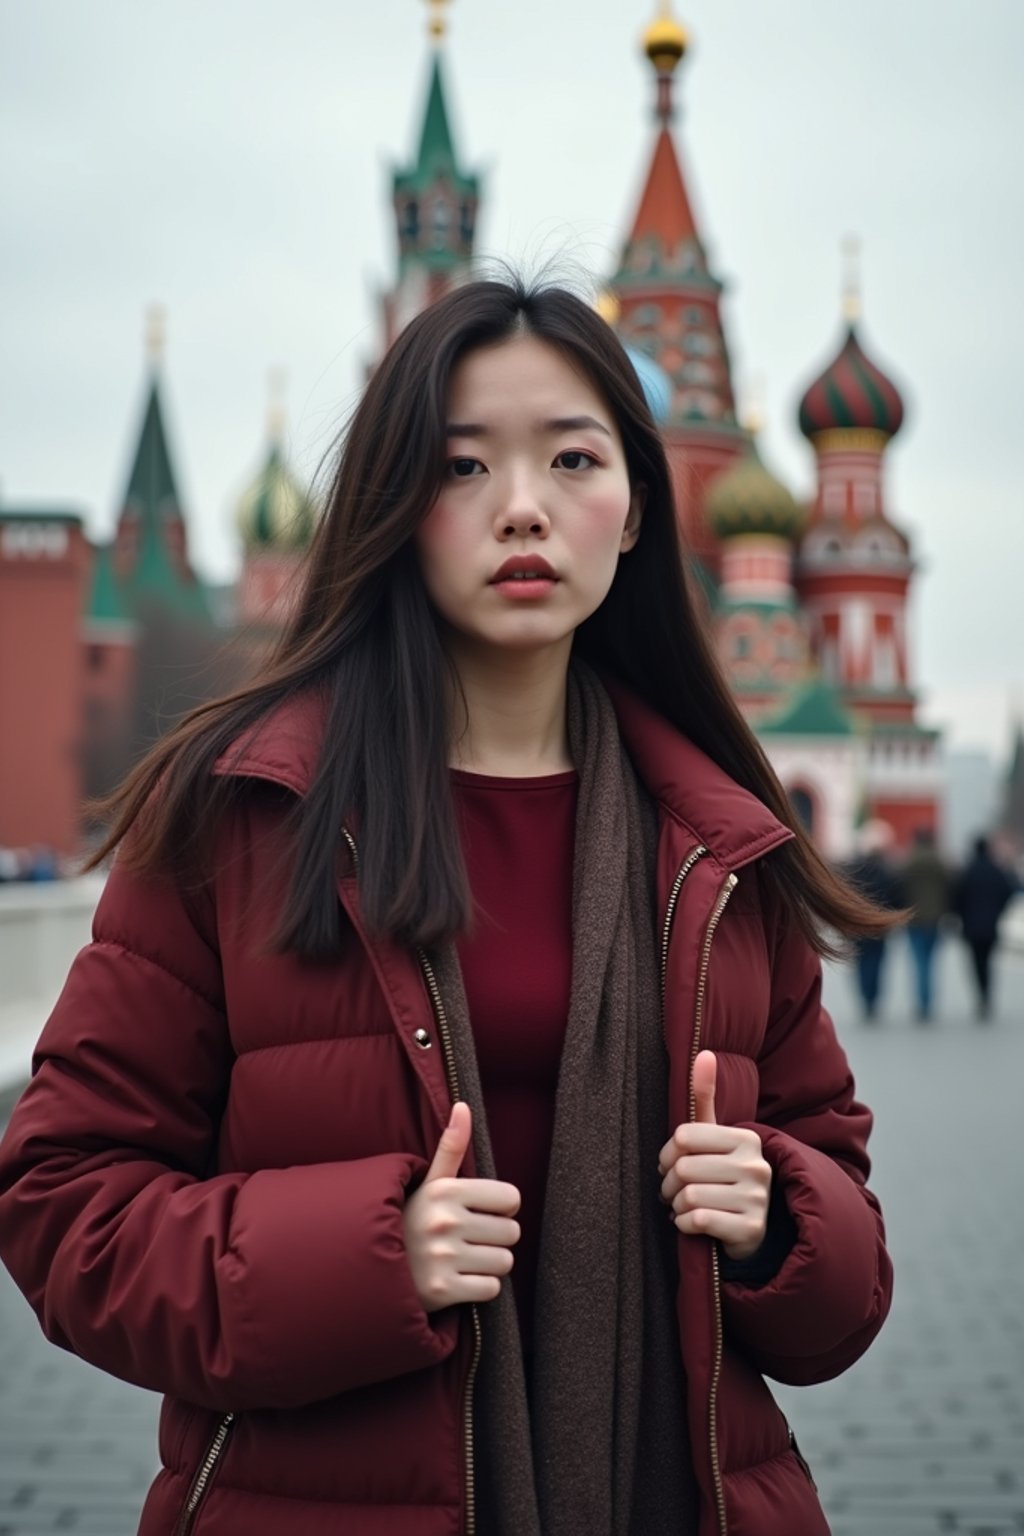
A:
[476,929]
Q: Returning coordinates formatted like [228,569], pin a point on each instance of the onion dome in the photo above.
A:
[274,512]
[852,393]
[748,499]
[655,383]
[665,41]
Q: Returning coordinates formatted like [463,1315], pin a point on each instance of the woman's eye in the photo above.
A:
[463,469]
[575,458]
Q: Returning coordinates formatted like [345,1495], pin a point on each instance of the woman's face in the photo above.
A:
[535,507]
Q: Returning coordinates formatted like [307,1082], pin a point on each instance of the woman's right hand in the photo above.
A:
[459,1233]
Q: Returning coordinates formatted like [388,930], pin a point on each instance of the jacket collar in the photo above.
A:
[733,824]
[735,827]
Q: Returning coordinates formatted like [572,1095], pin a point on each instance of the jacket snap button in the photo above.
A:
[423,1040]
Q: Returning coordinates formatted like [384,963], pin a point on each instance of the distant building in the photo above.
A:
[1011,811]
[808,602]
[44,580]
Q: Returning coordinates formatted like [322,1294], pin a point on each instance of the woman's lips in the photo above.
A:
[524,577]
[523,588]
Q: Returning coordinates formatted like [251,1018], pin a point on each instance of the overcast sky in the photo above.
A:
[231,161]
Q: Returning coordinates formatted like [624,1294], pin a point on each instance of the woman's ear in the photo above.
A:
[634,517]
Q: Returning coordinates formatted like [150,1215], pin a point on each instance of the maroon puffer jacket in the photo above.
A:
[201,1189]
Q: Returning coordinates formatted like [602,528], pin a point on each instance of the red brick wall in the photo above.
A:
[44,567]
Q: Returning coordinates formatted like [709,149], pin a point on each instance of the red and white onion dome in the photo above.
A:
[852,394]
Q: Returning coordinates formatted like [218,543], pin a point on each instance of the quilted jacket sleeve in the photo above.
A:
[235,1291]
[832,1293]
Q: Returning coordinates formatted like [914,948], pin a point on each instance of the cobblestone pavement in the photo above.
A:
[925,1435]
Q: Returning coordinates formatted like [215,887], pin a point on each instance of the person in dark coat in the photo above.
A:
[980,896]
[874,875]
[926,890]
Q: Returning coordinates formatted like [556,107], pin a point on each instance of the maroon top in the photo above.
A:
[517,838]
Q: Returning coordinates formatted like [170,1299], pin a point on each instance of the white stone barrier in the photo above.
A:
[42,928]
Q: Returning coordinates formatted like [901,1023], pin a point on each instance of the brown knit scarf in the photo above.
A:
[605,1449]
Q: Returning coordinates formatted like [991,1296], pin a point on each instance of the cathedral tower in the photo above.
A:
[854,562]
[435,203]
[275,518]
[668,303]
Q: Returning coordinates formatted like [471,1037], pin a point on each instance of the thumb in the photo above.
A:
[452,1147]
[705,1074]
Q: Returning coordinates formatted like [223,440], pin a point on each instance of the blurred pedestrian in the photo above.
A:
[874,875]
[980,896]
[926,890]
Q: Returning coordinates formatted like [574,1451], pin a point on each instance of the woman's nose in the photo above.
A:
[522,514]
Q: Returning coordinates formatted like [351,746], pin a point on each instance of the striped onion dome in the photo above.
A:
[851,393]
[274,512]
[747,498]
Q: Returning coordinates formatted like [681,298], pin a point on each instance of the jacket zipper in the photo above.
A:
[670,912]
[453,1089]
[720,905]
[453,1086]
[716,1279]
[798,1453]
[201,1481]
[448,1052]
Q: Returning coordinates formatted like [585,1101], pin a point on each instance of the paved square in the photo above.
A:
[925,1436]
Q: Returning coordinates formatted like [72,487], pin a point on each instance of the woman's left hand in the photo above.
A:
[714,1176]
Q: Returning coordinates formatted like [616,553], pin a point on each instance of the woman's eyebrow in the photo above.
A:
[574,424]
[557,424]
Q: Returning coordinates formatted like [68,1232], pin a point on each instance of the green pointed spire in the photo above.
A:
[435,200]
[151,521]
[152,493]
[437,152]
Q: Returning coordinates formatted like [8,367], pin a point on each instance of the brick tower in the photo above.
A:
[667,304]
[435,203]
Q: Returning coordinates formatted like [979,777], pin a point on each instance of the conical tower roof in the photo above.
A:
[669,298]
[435,200]
[664,220]
[151,491]
[157,566]
[664,239]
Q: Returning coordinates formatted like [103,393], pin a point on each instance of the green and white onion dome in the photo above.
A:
[748,499]
[274,512]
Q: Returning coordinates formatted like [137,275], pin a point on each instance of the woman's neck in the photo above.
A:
[511,719]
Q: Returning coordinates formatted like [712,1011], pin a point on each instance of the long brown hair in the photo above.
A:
[363,635]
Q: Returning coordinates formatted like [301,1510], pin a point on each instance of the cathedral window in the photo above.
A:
[647,315]
[698,344]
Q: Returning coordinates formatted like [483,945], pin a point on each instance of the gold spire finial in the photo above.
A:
[437,25]
[156,333]
[608,306]
[276,414]
[665,41]
[851,279]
